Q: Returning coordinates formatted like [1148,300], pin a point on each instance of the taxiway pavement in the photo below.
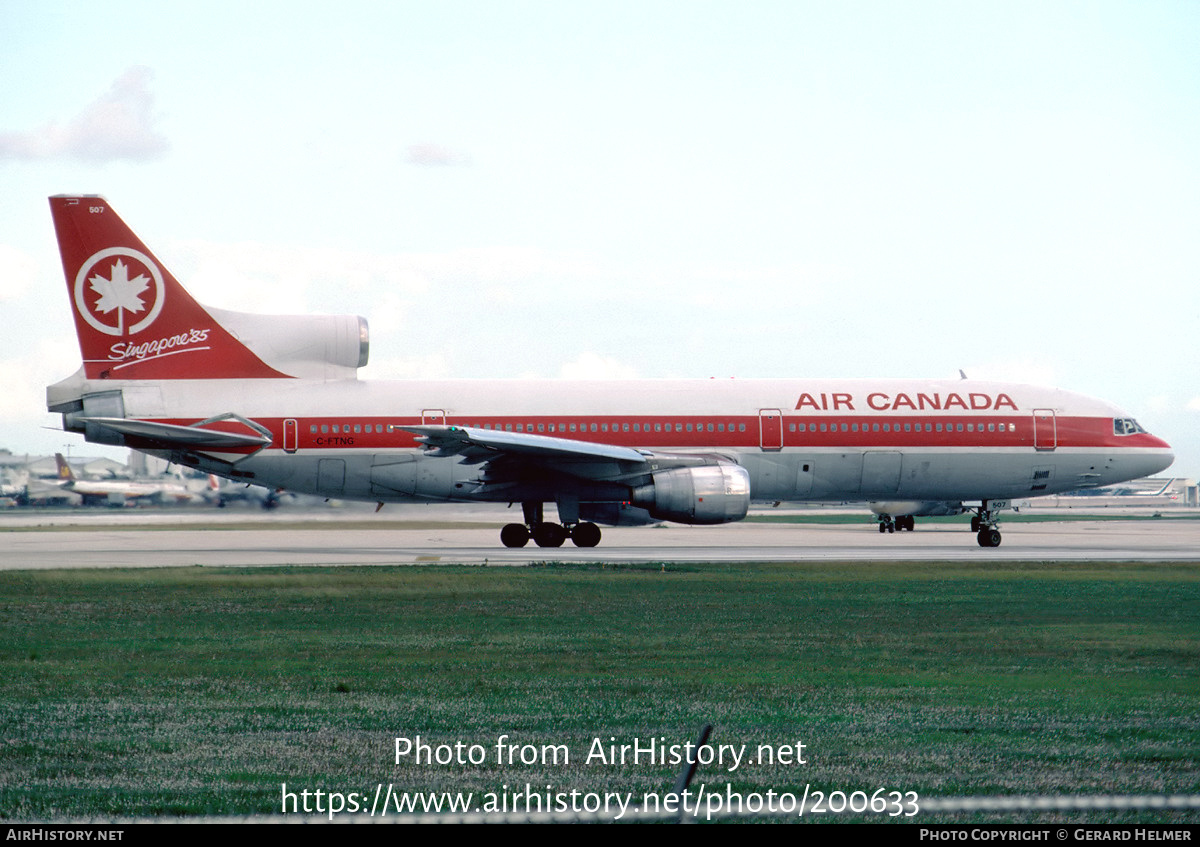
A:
[110,546]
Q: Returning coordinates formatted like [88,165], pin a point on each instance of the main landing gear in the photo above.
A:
[900,523]
[984,524]
[547,533]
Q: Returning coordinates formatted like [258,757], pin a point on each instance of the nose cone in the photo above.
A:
[1158,456]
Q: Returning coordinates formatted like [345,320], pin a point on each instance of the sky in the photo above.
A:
[632,189]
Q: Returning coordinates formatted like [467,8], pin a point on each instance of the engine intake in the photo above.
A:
[702,495]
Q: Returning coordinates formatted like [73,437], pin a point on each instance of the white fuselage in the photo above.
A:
[805,440]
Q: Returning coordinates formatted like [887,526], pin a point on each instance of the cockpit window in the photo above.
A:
[1126,426]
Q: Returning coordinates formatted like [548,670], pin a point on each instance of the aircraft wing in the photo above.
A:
[484,445]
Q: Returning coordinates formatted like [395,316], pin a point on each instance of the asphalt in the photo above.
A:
[108,540]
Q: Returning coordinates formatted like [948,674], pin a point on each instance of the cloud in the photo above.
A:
[432,365]
[117,125]
[1032,371]
[18,271]
[26,375]
[252,276]
[1193,405]
[592,366]
[1160,404]
[435,155]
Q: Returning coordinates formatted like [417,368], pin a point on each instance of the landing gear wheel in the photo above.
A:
[549,535]
[989,537]
[976,524]
[514,535]
[882,527]
[585,534]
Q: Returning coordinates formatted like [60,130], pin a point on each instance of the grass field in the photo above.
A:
[201,691]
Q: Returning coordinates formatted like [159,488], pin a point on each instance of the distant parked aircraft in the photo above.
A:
[116,492]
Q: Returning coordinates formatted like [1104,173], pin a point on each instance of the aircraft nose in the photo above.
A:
[1159,457]
[1164,461]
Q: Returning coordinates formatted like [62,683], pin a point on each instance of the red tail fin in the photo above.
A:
[133,318]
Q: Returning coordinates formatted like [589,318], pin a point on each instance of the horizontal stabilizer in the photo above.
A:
[194,437]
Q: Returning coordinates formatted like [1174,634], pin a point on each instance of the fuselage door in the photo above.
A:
[880,472]
[1045,429]
[290,441]
[770,429]
[433,416]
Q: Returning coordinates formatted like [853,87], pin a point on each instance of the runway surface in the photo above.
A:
[110,545]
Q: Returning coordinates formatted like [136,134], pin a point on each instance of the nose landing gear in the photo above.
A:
[986,521]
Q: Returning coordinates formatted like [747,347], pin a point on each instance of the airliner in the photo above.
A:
[275,400]
[115,492]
